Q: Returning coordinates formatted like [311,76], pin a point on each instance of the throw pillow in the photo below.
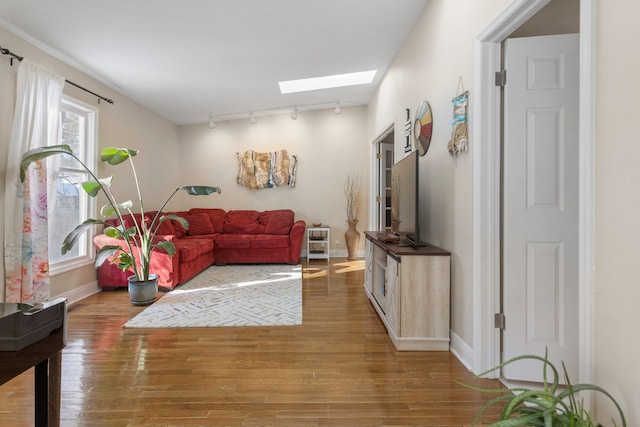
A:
[199,224]
[165,228]
[179,230]
[241,222]
[215,215]
[279,221]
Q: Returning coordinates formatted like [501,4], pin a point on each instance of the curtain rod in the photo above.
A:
[13,56]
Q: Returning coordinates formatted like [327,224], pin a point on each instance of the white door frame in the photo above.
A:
[373,178]
[486,183]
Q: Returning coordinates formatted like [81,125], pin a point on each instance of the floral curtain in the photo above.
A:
[35,124]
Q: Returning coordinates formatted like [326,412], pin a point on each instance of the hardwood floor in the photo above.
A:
[338,368]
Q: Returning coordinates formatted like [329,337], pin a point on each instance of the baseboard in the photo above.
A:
[337,253]
[81,292]
[461,350]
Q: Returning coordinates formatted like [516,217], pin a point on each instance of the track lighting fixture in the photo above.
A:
[293,112]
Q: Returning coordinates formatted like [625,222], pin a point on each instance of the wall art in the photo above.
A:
[266,170]
[423,128]
[460,133]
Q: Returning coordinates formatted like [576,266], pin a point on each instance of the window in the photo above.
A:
[70,205]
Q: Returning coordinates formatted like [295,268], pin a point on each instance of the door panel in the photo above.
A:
[540,203]
[385,155]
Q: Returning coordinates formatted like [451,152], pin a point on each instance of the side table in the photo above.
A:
[318,241]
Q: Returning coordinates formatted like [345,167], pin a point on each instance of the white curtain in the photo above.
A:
[35,124]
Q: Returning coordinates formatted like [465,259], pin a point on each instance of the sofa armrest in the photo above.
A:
[296,236]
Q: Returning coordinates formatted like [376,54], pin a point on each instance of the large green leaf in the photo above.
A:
[115,156]
[104,254]
[39,154]
[92,188]
[72,238]
[108,211]
[166,246]
[200,190]
[125,261]
[114,232]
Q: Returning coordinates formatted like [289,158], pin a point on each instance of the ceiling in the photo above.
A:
[191,59]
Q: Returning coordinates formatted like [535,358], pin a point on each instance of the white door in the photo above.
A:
[540,203]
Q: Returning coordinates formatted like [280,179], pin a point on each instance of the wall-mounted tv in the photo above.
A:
[405,216]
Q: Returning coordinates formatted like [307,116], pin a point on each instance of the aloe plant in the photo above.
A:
[138,240]
[553,406]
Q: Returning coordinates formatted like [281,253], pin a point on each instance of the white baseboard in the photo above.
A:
[80,293]
[337,253]
[461,350]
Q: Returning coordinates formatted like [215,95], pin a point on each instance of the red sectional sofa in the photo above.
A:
[214,236]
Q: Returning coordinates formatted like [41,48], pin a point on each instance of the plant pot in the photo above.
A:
[352,237]
[143,292]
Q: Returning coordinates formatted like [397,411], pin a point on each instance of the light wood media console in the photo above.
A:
[410,290]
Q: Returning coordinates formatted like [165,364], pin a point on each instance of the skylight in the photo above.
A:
[326,82]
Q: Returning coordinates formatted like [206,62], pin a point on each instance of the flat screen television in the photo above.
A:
[405,203]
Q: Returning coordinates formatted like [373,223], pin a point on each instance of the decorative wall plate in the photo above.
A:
[422,128]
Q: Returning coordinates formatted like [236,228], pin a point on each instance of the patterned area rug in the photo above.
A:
[238,295]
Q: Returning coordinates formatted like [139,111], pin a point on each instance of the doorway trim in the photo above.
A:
[486,183]
[375,167]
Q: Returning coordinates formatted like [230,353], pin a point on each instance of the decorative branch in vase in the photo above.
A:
[352,193]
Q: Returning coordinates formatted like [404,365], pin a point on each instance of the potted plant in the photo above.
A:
[553,406]
[138,241]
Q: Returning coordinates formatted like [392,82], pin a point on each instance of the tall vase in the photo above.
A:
[352,237]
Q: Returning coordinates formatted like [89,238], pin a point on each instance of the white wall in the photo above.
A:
[123,124]
[617,233]
[436,54]
[328,147]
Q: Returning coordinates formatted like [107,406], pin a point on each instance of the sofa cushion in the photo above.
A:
[199,224]
[269,241]
[191,249]
[241,222]
[215,215]
[277,221]
[232,241]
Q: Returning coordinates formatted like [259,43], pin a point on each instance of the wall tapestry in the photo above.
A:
[460,134]
[266,170]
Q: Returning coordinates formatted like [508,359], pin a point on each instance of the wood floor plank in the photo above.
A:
[339,368]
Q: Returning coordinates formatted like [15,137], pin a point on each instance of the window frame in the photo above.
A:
[90,148]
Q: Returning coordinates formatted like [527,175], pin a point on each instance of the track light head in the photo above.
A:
[338,110]
[212,124]
[294,114]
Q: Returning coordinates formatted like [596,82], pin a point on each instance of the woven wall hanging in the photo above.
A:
[460,133]
[266,170]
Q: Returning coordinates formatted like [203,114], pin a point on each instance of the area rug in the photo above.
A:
[238,295]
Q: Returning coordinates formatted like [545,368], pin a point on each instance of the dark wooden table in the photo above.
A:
[46,356]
